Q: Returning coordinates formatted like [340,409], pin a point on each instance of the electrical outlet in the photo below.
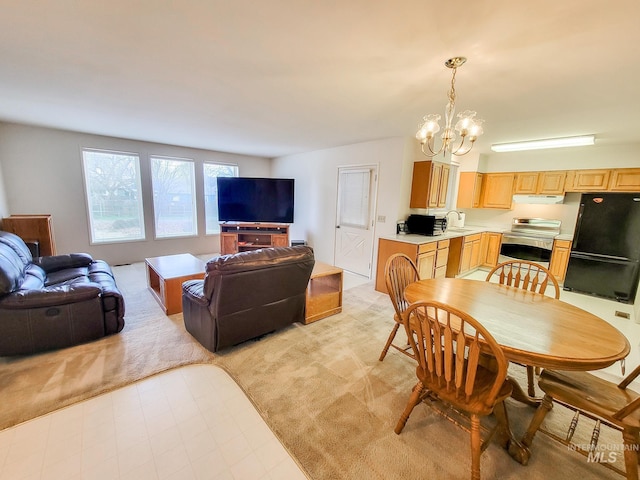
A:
[382,218]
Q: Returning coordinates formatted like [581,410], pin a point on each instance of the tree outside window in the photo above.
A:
[113,191]
[211,173]
[173,197]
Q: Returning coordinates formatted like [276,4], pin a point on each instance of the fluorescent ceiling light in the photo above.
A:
[549,143]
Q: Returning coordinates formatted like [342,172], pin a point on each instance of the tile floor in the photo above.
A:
[190,423]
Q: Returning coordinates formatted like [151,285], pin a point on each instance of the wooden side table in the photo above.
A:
[324,293]
[166,274]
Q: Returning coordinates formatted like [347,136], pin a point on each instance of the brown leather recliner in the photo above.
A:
[246,295]
[54,302]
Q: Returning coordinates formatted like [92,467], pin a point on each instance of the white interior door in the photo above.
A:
[354,224]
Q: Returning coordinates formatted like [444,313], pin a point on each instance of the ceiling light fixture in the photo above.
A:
[468,127]
[549,143]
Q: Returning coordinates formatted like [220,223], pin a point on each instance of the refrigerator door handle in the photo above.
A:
[599,256]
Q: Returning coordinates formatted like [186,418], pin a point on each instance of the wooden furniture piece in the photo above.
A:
[242,237]
[470,190]
[528,276]
[429,184]
[447,344]
[430,257]
[490,248]
[324,293]
[399,272]
[166,274]
[33,228]
[598,399]
[560,259]
[540,183]
[532,329]
[465,254]
[497,190]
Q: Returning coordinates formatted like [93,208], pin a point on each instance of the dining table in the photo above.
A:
[532,329]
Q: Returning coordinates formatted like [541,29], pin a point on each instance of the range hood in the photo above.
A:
[539,199]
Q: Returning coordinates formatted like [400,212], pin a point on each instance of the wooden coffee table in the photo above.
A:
[166,274]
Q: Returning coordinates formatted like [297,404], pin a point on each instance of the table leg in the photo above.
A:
[521,396]
[516,449]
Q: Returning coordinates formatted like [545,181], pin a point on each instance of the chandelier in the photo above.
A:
[468,127]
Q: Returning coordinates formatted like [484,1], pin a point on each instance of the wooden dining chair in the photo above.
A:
[399,271]
[527,276]
[607,403]
[448,345]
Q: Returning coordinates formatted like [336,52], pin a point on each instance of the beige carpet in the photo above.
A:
[320,387]
[150,343]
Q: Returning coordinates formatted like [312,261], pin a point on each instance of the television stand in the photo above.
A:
[241,237]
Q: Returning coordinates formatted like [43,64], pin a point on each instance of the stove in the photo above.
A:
[529,239]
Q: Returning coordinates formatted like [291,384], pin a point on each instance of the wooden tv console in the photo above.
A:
[241,237]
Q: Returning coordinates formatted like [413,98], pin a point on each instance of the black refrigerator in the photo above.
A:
[605,255]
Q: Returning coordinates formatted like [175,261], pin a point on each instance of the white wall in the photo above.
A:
[316,175]
[42,172]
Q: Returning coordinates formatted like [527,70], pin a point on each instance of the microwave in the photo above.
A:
[426,225]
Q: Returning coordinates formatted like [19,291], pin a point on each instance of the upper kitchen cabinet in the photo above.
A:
[497,190]
[540,183]
[625,180]
[429,184]
[587,180]
[470,190]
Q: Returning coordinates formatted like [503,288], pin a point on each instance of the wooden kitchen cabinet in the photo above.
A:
[625,180]
[552,183]
[442,258]
[497,190]
[430,258]
[587,180]
[560,259]
[526,183]
[429,184]
[540,183]
[470,190]
[490,248]
[426,260]
[464,254]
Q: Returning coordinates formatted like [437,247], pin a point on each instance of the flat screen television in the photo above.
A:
[257,200]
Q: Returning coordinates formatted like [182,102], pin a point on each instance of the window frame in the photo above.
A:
[194,194]
[91,222]
[216,230]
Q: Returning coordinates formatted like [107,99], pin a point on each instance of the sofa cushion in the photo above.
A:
[11,270]
[17,246]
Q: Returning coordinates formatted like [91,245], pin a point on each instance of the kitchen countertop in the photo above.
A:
[455,232]
[452,232]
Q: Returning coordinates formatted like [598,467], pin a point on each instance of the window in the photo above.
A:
[173,197]
[114,201]
[211,172]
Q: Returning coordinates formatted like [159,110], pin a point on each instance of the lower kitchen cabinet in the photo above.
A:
[560,259]
[464,254]
[490,248]
[430,258]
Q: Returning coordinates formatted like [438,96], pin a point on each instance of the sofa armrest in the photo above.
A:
[193,290]
[59,262]
[50,296]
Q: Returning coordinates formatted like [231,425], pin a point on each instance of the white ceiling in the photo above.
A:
[277,77]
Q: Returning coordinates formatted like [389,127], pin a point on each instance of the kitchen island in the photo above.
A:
[457,251]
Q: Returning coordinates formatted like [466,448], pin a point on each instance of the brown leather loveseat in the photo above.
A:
[246,295]
[54,302]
